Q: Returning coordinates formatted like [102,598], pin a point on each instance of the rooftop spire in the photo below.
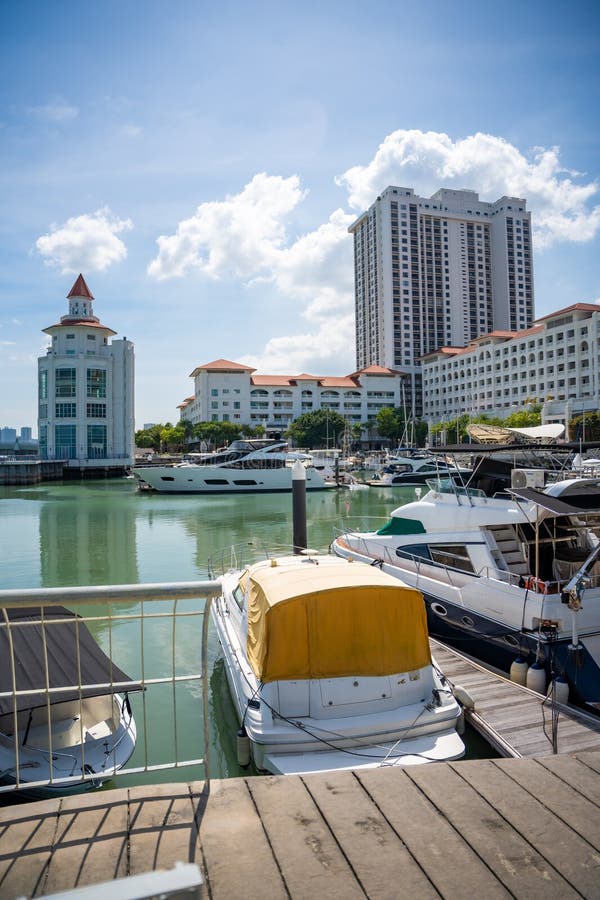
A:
[80,289]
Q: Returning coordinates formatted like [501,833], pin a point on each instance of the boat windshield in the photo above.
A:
[449,486]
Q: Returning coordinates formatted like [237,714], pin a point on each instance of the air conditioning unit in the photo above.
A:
[531,478]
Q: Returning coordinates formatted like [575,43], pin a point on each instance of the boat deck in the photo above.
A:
[494,828]
[511,717]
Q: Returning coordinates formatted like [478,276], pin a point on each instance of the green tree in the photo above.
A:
[217,434]
[390,423]
[320,428]
[585,427]
[525,418]
[149,438]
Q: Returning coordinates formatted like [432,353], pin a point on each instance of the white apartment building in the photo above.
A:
[226,391]
[438,271]
[556,362]
[86,390]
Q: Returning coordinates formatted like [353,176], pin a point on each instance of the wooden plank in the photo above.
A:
[26,837]
[90,842]
[576,860]
[520,868]
[381,861]
[574,807]
[429,837]
[161,827]
[238,859]
[309,857]
[576,774]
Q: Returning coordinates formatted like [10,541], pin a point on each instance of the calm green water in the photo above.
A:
[107,532]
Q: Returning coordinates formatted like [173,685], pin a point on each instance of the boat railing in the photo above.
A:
[239,556]
[382,555]
[145,630]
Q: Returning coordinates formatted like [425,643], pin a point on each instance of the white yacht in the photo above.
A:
[329,667]
[244,467]
[511,578]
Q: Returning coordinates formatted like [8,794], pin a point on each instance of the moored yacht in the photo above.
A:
[504,578]
[329,667]
[244,467]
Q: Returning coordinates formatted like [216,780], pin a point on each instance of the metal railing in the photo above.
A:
[158,633]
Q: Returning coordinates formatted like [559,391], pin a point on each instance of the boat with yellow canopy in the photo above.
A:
[329,667]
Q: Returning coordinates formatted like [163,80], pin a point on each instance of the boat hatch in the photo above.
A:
[342,691]
[293,698]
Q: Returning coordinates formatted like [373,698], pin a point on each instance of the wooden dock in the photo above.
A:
[494,828]
[512,718]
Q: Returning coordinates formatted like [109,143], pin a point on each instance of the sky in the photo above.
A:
[200,164]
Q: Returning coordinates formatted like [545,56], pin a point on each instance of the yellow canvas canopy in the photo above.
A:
[332,619]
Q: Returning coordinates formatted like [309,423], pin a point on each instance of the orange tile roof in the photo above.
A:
[272,379]
[80,289]
[222,365]
[339,381]
[72,323]
[377,370]
[584,307]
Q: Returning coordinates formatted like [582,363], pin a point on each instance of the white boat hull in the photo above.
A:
[88,748]
[192,479]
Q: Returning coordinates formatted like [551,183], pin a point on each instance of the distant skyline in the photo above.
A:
[200,166]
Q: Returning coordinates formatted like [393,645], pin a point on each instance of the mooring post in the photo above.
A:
[299,506]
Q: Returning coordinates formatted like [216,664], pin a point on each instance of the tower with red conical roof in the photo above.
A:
[86,391]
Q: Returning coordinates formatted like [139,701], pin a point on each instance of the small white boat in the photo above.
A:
[62,730]
[329,667]
[245,467]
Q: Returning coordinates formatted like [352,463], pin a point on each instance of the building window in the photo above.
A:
[96,382]
[43,410]
[96,441]
[96,410]
[66,381]
[43,385]
[43,441]
[91,337]
[65,410]
[214,392]
[65,442]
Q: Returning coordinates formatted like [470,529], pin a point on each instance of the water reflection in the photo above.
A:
[86,537]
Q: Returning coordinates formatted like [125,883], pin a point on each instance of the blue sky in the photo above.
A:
[200,164]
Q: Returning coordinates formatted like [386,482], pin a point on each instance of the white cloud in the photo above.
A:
[8,343]
[130,130]
[239,236]
[327,350]
[245,236]
[87,242]
[488,164]
[57,110]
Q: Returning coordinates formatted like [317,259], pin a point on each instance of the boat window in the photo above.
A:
[215,481]
[454,555]
[245,481]
[238,596]
[421,551]
[167,478]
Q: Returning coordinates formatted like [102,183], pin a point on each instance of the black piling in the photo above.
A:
[299,506]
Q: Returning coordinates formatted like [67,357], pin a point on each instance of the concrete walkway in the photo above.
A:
[489,828]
